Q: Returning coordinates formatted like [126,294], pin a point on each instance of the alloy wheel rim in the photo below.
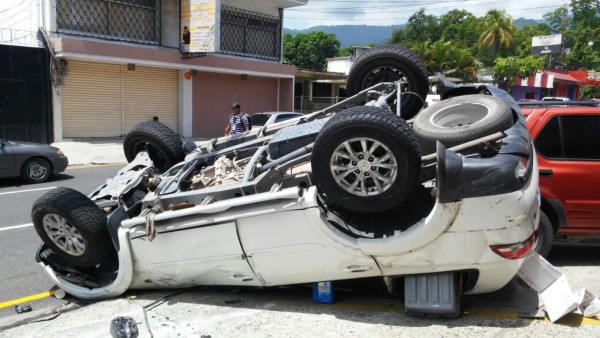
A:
[63,234]
[364,167]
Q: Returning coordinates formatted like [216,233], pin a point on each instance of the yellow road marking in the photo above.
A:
[27,299]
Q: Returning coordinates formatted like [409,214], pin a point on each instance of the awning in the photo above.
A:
[564,78]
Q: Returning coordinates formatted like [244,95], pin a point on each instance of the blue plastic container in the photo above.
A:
[323,292]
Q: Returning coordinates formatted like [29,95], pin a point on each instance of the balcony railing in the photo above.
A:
[123,20]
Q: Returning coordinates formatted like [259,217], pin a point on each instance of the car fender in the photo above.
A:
[116,288]
[428,229]
[555,210]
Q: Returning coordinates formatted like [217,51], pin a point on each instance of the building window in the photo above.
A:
[252,34]
[123,20]
[530,95]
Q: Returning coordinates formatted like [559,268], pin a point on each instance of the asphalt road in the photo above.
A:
[21,276]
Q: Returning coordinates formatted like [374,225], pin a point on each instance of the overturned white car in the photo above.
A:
[348,192]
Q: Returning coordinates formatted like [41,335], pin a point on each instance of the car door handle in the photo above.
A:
[546,172]
[357,268]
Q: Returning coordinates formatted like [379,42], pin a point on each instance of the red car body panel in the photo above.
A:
[575,183]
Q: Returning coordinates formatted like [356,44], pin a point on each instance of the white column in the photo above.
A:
[186,112]
[57,113]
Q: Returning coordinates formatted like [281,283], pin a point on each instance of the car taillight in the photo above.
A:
[517,250]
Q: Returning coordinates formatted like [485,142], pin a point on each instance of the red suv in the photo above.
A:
[567,139]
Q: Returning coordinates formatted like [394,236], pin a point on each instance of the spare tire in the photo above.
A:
[72,226]
[162,144]
[387,64]
[461,119]
[366,159]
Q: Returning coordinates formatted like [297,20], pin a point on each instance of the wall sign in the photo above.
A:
[199,25]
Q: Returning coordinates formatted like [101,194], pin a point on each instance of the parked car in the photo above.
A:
[568,146]
[341,193]
[266,118]
[33,162]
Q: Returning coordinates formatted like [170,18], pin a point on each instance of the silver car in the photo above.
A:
[34,162]
[267,118]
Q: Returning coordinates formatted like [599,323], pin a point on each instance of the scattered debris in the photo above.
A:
[23,308]
[123,327]
[46,318]
[554,290]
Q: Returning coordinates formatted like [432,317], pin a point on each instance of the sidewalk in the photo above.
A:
[99,150]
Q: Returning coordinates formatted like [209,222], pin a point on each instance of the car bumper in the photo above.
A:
[59,164]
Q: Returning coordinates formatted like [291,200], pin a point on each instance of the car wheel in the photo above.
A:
[545,235]
[366,159]
[72,226]
[36,170]
[162,144]
[461,119]
[388,64]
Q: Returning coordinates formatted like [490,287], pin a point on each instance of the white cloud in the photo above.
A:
[389,12]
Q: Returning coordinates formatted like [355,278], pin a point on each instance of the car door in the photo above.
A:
[185,252]
[569,162]
[297,246]
[7,159]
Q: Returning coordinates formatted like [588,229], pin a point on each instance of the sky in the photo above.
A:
[390,12]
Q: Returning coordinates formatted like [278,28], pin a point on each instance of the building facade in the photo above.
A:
[116,63]
[550,82]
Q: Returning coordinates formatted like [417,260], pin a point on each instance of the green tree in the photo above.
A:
[311,50]
[450,58]
[583,36]
[506,69]
[558,20]
[459,25]
[497,29]
[419,28]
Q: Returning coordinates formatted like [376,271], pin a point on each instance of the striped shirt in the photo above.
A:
[237,123]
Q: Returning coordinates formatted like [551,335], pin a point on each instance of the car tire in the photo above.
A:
[461,119]
[163,145]
[366,159]
[387,64]
[545,235]
[73,226]
[36,170]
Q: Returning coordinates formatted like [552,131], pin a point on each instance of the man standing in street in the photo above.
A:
[238,121]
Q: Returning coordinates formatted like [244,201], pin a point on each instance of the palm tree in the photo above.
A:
[497,28]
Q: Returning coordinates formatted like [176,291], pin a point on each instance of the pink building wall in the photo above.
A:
[214,93]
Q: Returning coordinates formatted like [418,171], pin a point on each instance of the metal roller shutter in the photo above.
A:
[91,100]
[107,100]
[149,92]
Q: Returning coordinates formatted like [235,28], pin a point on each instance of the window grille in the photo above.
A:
[251,34]
[123,20]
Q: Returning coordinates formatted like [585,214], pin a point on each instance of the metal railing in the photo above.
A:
[122,20]
[251,34]
[17,37]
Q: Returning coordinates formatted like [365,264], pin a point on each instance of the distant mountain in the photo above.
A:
[356,35]
[520,22]
[351,35]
